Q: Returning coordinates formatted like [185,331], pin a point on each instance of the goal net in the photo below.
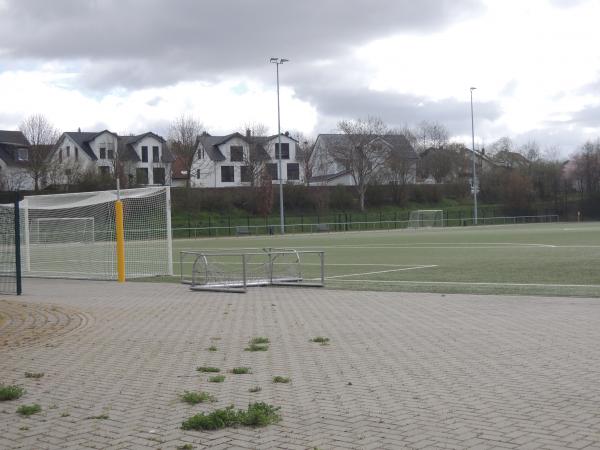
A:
[74,235]
[65,230]
[426,218]
[231,271]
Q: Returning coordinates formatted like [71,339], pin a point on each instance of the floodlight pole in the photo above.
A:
[277,62]
[475,184]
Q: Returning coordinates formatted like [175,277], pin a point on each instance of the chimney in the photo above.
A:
[482,150]
[79,130]
[287,133]
[248,134]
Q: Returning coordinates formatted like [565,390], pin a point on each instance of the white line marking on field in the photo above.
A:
[473,283]
[379,271]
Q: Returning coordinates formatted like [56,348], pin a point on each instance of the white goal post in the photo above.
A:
[425,218]
[74,235]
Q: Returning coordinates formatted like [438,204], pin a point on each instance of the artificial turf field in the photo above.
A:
[560,259]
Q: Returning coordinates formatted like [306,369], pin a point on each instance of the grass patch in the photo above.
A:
[257,415]
[194,398]
[240,370]
[10,392]
[205,369]
[212,348]
[259,340]
[217,379]
[279,379]
[65,414]
[35,375]
[100,417]
[257,348]
[185,447]
[320,340]
[255,389]
[28,410]
[23,428]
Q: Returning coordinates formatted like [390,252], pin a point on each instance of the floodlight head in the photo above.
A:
[283,60]
[473,88]
[274,60]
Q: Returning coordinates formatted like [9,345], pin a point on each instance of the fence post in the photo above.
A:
[189,227]
[229,224]
[17,244]
[302,223]
[209,227]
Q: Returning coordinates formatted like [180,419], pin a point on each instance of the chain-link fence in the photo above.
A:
[10,243]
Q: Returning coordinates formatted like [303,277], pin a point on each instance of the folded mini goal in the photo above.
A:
[235,271]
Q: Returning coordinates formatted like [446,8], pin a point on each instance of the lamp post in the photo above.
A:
[277,62]
[475,184]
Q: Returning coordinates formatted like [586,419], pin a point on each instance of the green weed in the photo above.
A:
[34,375]
[212,348]
[320,340]
[257,415]
[194,398]
[257,348]
[10,392]
[28,410]
[205,369]
[259,340]
[255,389]
[240,370]
[217,379]
[279,379]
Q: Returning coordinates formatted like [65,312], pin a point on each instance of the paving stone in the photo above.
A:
[401,370]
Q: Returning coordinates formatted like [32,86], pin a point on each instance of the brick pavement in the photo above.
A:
[402,370]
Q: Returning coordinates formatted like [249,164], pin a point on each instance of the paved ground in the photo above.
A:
[402,370]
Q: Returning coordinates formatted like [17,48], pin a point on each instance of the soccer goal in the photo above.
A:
[75,235]
[425,218]
[236,271]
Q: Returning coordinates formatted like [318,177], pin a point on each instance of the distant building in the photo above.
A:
[237,159]
[14,158]
[143,159]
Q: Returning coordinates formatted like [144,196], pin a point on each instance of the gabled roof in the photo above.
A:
[10,142]
[82,139]
[211,145]
[329,177]
[13,137]
[395,141]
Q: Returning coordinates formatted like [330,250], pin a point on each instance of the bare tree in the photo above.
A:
[364,152]
[183,137]
[254,159]
[430,135]
[305,149]
[42,136]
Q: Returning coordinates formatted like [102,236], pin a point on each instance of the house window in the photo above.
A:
[144,154]
[68,151]
[227,174]
[236,153]
[293,171]
[272,171]
[110,154]
[102,153]
[22,154]
[245,174]
[76,153]
[60,155]
[285,151]
[155,154]
[141,173]
[198,173]
[158,175]
[104,171]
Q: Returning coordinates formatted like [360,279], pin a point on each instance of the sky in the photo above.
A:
[135,65]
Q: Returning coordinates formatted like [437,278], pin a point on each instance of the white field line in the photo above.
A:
[329,264]
[483,283]
[378,271]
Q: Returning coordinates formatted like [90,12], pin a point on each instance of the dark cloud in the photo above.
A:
[587,117]
[136,43]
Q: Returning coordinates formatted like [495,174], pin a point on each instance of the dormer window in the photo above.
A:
[145,154]
[236,153]
[285,151]
[155,154]
[110,150]
[22,154]
[102,153]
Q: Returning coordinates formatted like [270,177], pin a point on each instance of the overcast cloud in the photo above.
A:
[133,65]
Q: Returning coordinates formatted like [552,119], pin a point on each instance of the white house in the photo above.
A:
[330,171]
[144,159]
[14,158]
[233,160]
